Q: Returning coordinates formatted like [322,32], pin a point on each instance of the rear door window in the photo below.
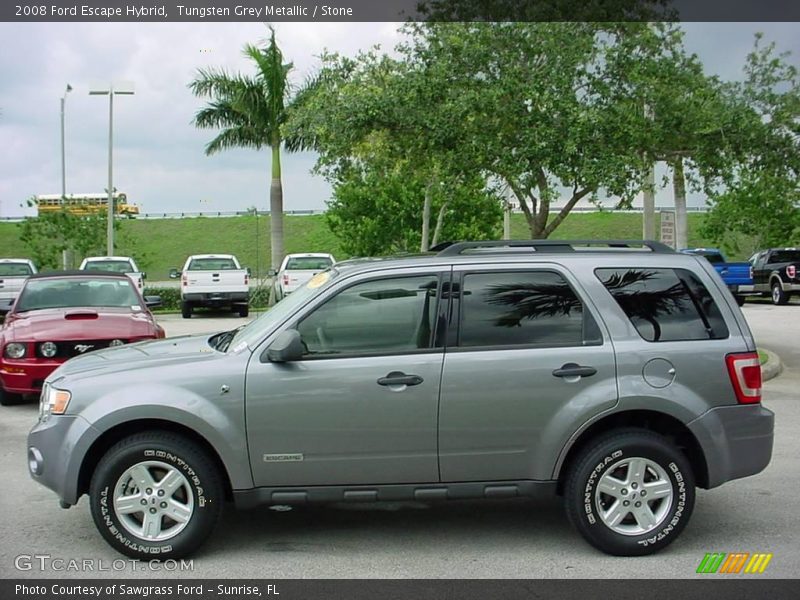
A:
[665,304]
[522,308]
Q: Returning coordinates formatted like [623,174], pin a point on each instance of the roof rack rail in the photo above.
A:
[549,246]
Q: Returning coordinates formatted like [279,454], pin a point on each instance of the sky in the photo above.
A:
[159,159]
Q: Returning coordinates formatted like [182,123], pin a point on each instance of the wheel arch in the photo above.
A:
[113,435]
[670,427]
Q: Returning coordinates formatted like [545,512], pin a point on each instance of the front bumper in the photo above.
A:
[56,448]
[736,440]
[26,376]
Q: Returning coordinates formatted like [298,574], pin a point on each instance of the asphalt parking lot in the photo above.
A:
[492,539]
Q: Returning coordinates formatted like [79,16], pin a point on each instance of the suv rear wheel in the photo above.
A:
[186,310]
[630,493]
[156,495]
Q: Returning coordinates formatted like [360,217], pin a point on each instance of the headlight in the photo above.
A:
[48,349]
[114,343]
[53,401]
[15,350]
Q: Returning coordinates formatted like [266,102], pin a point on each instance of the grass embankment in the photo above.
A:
[159,244]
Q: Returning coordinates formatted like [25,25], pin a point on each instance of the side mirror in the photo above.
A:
[288,346]
[152,301]
[173,273]
[144,275]
[272,273]
[249,273]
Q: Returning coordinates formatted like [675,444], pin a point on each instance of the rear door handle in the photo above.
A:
[400,378]
[574,370]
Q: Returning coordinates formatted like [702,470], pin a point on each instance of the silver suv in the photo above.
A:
[619,375]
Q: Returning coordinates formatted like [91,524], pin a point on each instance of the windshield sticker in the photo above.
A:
[135,307]
[239,347]
[319,279]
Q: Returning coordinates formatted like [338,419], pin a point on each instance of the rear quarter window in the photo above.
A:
[665,305]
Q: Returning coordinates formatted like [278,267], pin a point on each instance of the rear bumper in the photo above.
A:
[25,376]
[791,287]
[736,441]
[217,298]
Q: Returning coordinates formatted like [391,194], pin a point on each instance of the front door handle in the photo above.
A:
[574,370]
[400,378]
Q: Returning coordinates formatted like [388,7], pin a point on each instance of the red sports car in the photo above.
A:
[64,314]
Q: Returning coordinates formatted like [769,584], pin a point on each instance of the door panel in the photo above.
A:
[506,407]
[347,428]
[362,406]
[504,414]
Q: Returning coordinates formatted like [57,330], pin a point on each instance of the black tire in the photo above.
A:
[244,311]
[186,310]
[740,300]
[604,457]
[779,297]
[201,475]
[9,399]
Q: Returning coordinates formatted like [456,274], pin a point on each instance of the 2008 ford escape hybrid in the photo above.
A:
[620,375]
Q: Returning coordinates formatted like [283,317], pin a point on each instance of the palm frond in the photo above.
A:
[236,137]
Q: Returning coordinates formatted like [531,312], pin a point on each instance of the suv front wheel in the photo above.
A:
[156,495]
[630,493]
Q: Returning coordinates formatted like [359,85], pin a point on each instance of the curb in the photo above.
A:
[773,367]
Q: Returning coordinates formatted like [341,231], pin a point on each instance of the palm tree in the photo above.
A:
[250,111]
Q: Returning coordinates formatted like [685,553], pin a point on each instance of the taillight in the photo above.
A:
[246,279]
[744,369]
[751,271]
[791,271]
[184,281]
[285,280]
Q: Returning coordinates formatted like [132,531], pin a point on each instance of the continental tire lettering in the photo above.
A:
[588,506]
[679,508]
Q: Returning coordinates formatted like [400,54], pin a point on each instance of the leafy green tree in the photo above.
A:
[761,211]
[759,205]
[49,234]
[250,111]
[367,113]
[375,209]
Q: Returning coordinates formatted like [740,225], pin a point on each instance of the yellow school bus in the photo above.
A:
[85,204]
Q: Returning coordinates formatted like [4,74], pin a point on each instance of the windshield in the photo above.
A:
[782,256]
[212,264]
[77,292]
[255,331]
[308,263]
[116,266]
[15,270]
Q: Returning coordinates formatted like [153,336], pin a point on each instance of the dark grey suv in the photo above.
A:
[620,375]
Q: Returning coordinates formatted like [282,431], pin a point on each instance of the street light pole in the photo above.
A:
[67,90]
[63,148]
[111,90]
[110,203]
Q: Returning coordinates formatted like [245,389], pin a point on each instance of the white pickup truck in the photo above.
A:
[116,264]
[214,281]
[13,273]
[296,269]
